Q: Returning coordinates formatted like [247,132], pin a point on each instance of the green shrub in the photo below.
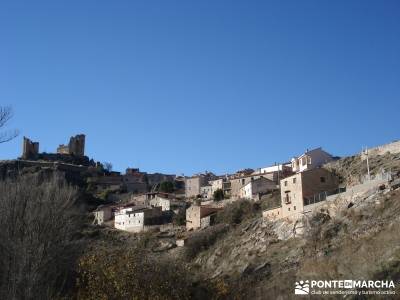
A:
[238,211]
[218,195]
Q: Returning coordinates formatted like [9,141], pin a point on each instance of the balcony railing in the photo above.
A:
[322,196]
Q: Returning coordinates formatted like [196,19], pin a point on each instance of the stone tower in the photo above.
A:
[30,150]
[77,145]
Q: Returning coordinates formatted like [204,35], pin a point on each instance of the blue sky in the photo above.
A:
[188,86]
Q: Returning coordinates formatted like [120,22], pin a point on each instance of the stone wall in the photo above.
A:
[381,150]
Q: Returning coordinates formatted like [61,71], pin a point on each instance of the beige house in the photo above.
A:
[302,189]
[311,159]
[200,216]
[194,183]
[238,183]
[221,184]
[256,188]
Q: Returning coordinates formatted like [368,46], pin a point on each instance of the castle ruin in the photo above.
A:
[30,150]
[76,146]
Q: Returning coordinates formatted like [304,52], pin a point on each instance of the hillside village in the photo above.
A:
[236,234]
[137,201]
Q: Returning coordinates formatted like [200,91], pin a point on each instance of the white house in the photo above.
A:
[162,202]
[311,159]
[136,218]
[256,188]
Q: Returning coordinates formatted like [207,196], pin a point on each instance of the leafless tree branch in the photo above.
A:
[6,114]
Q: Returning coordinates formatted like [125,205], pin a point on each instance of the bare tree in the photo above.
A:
[6,114]
[108,166]
[38,244]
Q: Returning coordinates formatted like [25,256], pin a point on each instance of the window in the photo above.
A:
[243,181]
[285,182]
[309,160]
[294,207]
[294,180]
[288,209]
[322,179]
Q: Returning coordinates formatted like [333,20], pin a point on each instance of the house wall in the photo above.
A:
[305,184]
[193,217]
[192,186]
[132,222]
[205,222]
[246,191]
[216,185]
[206,192]
[161,202]
[102,215]
[310,160]
[273,214]
[261,186]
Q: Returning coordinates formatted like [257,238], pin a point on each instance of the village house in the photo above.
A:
[276,172]
[200,216]
[145,198]
[311,159]
[159,201]
[102,214]
[302,189]
[135,181]
[194,183]
[256,188]
[137,218]
[221,184]
[206,192]
[238,183]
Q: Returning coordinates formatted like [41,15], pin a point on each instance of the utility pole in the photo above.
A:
[366,153]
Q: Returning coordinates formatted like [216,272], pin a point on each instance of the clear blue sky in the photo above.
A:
[188,86]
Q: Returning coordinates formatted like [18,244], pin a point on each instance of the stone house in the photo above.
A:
[303,189]
[276,172]
[206,192]
[311,159]
[238,183]
[137,218]
[194,183]
[198,217]
[221,184]
[162,202]
[256,188]
[102,214]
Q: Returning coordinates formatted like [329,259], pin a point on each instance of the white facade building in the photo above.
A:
[256,188]
[134,219]
[310,160]
[158,201]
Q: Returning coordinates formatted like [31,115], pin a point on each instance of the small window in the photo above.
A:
[322,179]
[285,183]
[288,209]
[294,207]
[294,180]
